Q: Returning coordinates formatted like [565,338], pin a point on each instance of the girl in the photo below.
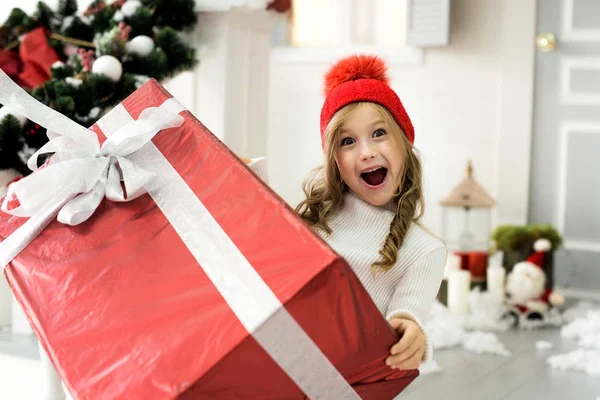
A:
[367,199]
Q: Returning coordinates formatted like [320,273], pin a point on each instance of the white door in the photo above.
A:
[565,162]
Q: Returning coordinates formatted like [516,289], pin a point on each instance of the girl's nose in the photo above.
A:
[368,152]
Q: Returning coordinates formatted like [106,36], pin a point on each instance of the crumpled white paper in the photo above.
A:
[584,327]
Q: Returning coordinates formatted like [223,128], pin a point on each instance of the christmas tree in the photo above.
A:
[84,64]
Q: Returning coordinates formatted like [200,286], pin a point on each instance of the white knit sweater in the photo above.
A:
[409,288]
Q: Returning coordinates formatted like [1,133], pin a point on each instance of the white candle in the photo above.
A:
[495,279]
[459,286]
[497,258]
[453,263]
[5,301]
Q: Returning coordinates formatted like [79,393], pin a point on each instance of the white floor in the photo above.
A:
[20,378]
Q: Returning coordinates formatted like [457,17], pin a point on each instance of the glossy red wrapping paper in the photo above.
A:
[126,312]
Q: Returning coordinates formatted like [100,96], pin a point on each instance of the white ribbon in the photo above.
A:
[81,172]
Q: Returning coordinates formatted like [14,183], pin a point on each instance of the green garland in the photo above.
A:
[516,237]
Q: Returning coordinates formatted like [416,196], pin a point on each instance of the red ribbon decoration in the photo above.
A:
[11,64]
[31,66]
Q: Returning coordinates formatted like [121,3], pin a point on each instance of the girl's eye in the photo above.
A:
[347,141]
[379,132]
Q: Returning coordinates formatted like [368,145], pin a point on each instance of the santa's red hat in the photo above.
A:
[541,246]
[362,78]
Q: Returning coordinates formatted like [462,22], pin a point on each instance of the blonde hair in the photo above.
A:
[324,188]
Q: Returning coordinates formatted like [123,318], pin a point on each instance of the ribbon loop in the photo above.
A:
[132,137]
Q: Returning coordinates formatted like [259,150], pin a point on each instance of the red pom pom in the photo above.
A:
[353,68]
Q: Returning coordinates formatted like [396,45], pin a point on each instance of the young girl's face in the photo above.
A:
[370,156]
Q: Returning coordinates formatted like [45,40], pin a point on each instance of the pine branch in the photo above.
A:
[155,65]
[17,18]
[178,14]
[101,88]
[9,133]
[67,7]
[45,16]
[102,19]
[179,55]
[10,144]
[77,29]
[141,22]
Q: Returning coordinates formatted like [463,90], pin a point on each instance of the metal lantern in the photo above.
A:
[466,224]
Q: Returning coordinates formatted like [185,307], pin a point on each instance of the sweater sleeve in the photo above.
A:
[416,291]
[259,166]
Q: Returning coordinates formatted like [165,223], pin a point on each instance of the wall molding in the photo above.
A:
[567,65]
[566,129]
[582,245]
[571,33]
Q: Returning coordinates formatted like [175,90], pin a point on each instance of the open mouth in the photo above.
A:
[375,176]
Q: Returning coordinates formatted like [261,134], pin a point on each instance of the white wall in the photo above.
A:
[456,99]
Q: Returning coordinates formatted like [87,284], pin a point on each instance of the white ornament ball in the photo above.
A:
[109,66]
[140,45]
[128,9]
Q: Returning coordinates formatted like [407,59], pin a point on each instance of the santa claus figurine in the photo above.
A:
[526,291]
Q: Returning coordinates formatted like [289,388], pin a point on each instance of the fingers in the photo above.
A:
[408,352]
[407,358]
[407,340]
[412,362]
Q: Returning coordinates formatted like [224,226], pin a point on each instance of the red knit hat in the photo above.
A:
[362,78]
[541,246]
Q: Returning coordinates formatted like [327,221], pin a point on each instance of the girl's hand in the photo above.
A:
[408,352]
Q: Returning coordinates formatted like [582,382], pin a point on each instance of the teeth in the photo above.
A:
[371,170]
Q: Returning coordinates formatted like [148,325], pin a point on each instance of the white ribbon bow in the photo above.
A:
[81,172]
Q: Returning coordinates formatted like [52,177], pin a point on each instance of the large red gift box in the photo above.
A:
[207,287]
